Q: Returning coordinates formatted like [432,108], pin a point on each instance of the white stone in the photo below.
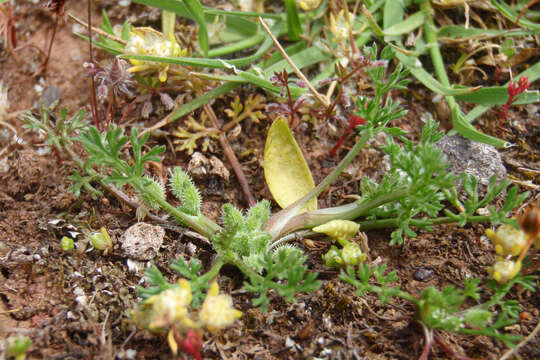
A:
[142,241]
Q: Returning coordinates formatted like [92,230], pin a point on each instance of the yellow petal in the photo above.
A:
[172,342]
[285,169]
[237,314]
[138,68]
[214,289]
[163,75]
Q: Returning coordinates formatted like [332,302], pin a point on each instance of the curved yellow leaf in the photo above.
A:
[285,169]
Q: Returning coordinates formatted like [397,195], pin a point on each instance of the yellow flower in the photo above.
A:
[504,270]
[340,26]
[308,5]
[217,310]
[507,240]
[170,307]
[147,41]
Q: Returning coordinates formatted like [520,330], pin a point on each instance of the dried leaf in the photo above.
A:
[191,132]
[250,109]
[285,169]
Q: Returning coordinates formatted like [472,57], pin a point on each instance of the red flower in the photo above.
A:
[513,91]
[354,121]
[192,344]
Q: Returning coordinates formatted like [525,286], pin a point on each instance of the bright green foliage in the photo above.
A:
[61,133]
[105,150]
[242,236]
[191,271]
[59,129]
[285,272]
[243,243]
[446,309]
[421,170]
[17,347]
[371,109]
[183,188]
[473,203]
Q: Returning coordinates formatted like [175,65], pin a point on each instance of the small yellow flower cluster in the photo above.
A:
[341,25]
[507,240]
[217,310]
[147,41]
[504,270]
[308,5]
[510,241]
[169,311]
[170,307]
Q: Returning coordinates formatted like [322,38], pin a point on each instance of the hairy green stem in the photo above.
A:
[200,223]
[246,270]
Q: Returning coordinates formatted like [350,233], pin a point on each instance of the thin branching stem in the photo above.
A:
[233,160]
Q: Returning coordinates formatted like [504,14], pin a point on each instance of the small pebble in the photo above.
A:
[423,274]
[142,241]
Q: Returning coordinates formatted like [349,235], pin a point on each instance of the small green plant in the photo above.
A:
[447,310]
[17,347]
[414,193]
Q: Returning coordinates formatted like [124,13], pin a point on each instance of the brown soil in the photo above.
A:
[75,306]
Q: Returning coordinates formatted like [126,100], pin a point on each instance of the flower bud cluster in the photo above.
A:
[342,231]
[349,255]
[147,41]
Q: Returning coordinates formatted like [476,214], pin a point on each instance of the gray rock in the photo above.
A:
[473,158]
[142,241]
